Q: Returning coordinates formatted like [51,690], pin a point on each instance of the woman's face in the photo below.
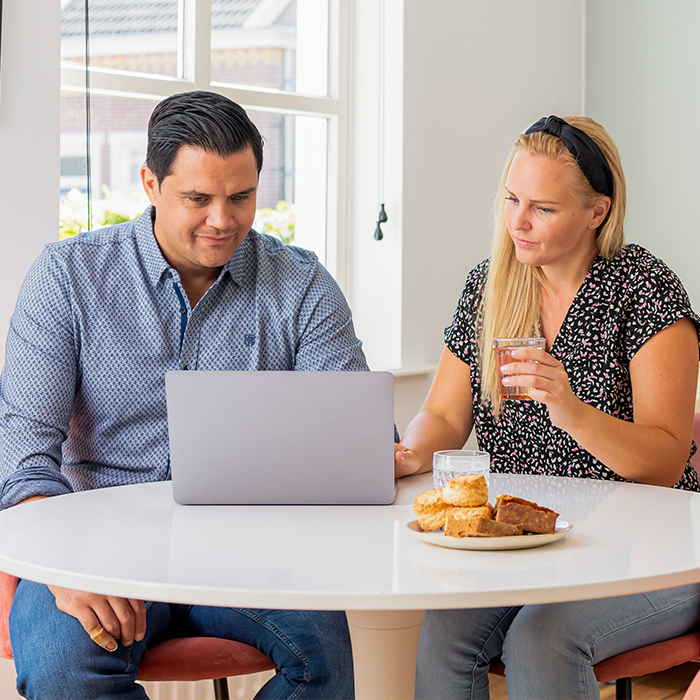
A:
[546,221]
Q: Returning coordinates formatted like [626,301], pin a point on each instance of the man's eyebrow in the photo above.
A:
[196,193]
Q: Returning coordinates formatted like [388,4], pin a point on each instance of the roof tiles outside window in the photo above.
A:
[145,16]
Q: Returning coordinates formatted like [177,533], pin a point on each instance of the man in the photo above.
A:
[99,321]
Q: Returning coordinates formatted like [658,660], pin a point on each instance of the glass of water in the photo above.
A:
[447,464]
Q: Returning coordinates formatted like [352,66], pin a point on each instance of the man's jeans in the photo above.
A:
[548,650]
[57,660]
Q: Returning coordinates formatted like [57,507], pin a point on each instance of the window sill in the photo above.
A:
[410,371]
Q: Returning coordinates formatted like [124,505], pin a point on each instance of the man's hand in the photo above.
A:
[105,618]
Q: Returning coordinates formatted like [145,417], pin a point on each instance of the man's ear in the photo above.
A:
[150,183]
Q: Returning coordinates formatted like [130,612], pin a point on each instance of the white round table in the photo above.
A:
[135,541]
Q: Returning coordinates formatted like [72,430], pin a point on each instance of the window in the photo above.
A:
[283,60]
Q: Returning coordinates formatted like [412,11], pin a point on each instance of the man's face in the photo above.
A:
[204,208]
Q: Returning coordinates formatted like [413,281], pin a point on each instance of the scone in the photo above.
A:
[430,509]
[457,518]
[526,514]
[466,491]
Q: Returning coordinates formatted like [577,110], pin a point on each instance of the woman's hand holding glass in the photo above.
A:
[548,382]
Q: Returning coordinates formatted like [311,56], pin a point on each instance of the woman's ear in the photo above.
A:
[600,211]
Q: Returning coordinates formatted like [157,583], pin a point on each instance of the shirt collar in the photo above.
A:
[149,250]
[239,266]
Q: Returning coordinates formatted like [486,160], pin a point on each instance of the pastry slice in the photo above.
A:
[526,514]
[483,527]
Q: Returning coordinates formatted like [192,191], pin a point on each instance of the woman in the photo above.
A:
[613,398]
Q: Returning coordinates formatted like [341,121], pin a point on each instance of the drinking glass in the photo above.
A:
[447,464]
[503,348]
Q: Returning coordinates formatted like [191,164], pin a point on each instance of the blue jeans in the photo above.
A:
[56,659]
[549,650]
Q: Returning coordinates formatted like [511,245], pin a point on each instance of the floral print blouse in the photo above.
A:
[620,305]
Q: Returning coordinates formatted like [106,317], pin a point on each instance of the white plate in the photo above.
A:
[439,538]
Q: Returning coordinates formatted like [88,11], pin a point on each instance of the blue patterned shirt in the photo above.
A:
[102,317]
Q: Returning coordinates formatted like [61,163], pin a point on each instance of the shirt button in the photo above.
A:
[169,274]
[183,310]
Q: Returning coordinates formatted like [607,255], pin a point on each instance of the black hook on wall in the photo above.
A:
[383,218]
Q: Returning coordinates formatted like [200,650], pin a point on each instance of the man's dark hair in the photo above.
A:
[203,120]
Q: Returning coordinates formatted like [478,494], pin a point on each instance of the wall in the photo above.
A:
[642,84]
[470,76]
[476,75]
[29,107]
[29,137]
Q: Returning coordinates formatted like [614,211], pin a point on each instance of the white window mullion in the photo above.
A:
[196,33]
[338,144]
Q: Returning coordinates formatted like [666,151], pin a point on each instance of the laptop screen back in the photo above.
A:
[281,437]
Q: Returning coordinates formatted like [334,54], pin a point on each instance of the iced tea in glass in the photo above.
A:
[503,348]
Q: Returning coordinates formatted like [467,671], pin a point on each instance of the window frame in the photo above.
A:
[194,65]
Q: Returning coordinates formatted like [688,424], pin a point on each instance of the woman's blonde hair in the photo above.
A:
[510,307]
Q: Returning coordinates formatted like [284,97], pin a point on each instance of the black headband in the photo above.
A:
[582,147]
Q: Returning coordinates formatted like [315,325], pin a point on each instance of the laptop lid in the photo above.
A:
[283,438]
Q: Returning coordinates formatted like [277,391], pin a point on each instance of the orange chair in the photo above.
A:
[182,659]
[638,662]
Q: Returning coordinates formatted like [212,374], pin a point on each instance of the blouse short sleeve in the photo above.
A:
[655,298]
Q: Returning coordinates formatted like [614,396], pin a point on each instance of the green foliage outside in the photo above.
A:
[111,209]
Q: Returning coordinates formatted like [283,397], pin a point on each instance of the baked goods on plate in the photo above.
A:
[438,539]
[461,511]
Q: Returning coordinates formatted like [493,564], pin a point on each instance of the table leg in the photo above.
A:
[385,648]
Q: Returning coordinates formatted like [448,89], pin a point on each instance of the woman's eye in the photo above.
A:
[512,199]
[544,210]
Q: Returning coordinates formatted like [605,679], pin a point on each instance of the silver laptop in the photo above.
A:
[281,437]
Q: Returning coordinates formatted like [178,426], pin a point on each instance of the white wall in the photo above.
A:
[472,75]
[643,85]
[29,138]
[461,79]
[29,160]
[476,74]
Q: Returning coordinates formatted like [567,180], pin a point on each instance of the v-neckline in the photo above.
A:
[574,304]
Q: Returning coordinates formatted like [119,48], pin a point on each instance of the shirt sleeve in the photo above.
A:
[327,340]
[37,386]
[657,301]
[460,337]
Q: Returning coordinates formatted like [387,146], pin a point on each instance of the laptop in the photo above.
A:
[281,438]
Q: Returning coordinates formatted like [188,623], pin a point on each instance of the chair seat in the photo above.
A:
[638,662]
[201,658]
[650,659]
